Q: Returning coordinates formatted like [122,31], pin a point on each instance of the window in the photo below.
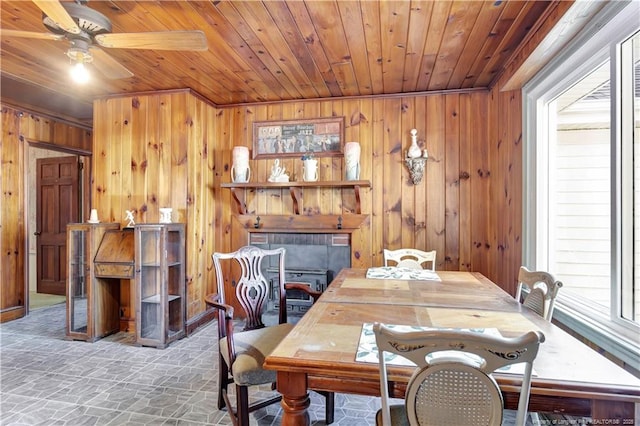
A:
[582,177]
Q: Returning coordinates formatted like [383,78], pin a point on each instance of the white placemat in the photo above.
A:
[396,273]
[368,350]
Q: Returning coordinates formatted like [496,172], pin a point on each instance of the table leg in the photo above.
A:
[295,398]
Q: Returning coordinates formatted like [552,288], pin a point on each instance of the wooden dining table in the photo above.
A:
[320,352]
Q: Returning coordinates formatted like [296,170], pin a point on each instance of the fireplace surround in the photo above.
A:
[313,259]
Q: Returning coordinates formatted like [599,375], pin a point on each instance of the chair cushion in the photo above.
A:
[398,416]
[252,347]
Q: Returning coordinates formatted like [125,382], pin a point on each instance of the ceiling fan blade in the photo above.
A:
[30,34]
[164,40]
[58,14]
[108,66]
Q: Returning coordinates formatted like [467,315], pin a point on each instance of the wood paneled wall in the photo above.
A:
[174,149]
[153,151]
[504,205]
[18,129]
[445,212]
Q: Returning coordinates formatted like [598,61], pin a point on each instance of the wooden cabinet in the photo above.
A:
[160,283]
[92,302]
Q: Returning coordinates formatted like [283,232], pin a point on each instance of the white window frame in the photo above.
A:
[598,41]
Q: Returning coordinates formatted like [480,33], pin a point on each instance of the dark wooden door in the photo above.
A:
[56,206]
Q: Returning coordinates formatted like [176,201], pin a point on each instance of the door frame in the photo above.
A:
[83,203]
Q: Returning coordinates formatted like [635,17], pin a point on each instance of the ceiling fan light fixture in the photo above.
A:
[79,73]
[80,55]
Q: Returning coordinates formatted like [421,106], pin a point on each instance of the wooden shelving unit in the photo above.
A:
[238,190]
[160,283]
[92,300]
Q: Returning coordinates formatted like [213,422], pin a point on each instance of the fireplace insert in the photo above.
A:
[297,301]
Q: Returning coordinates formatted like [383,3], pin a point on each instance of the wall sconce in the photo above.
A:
[416,159]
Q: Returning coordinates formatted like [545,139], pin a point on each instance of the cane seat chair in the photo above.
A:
[242,353]
[452,383]
[542,290]
[410,258]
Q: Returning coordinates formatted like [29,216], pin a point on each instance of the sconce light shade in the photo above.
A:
[416,168]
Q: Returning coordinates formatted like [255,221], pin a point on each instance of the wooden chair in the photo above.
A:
[452,384]
[542,290]
[410,258]
[242,353]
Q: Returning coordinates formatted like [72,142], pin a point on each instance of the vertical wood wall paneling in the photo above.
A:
[394,174]
[19,127]
[515,189]
[273,200]
[345,198]
[407,207]
[164,178]
[181,137]
[464,235]
[102,128]
[127,140]
[153,146]
[12,238]
[326,196]
[435,177]
[479,180]
[234,134]
[452,181]
[505,207]
[422,190]
[333,166]
[192,211]
[139,127]
[501,186]
[149,144]
[294,110]
[212,196]
[118,199]
[378,182]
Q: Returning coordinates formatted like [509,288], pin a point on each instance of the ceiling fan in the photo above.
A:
[88,30]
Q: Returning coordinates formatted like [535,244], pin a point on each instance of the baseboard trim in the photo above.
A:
[204,318]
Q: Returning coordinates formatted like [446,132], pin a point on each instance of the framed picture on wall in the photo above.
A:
[324,137]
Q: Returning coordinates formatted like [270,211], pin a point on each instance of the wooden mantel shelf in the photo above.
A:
[295,189]
[333,224]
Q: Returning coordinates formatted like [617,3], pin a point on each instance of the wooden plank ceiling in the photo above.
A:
[282,50]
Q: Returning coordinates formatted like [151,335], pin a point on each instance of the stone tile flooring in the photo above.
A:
[48,380]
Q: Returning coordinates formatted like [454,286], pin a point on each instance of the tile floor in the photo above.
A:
[48,380]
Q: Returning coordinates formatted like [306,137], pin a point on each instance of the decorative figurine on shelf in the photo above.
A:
[165,214]
[352,160]
[278,173]
[309,167]
[129,217]
[93,217]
